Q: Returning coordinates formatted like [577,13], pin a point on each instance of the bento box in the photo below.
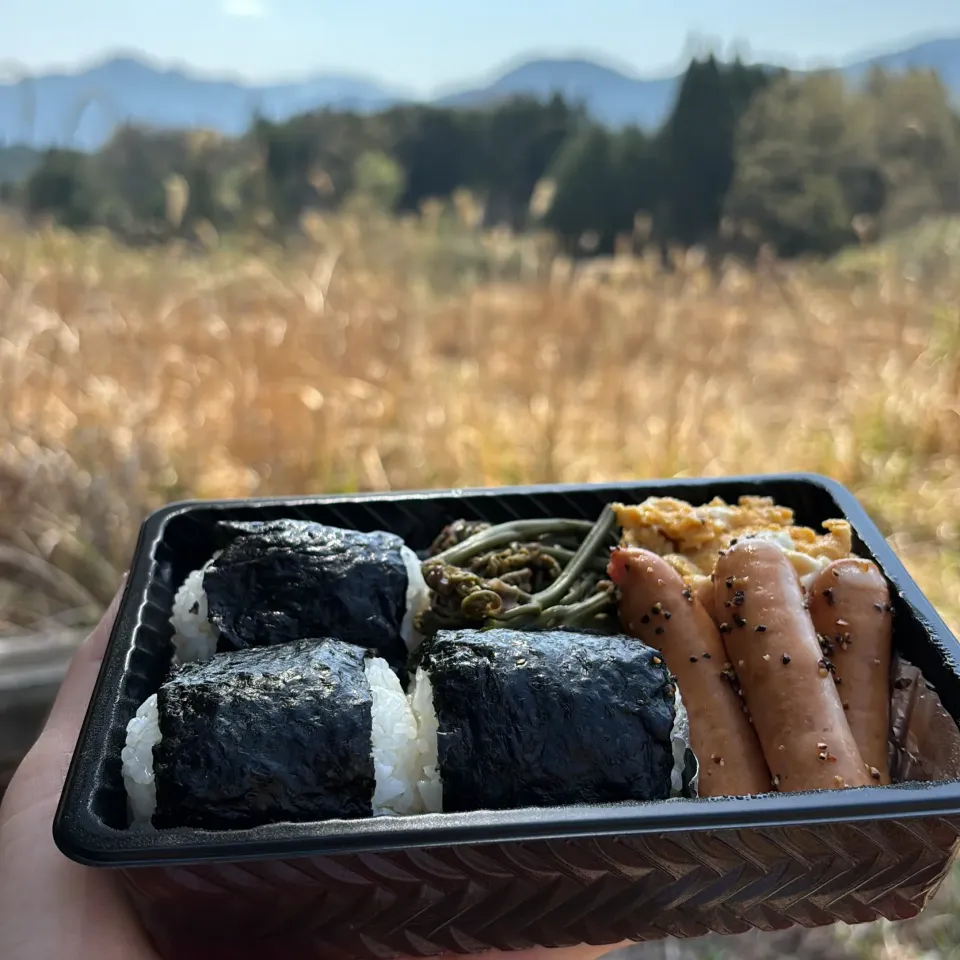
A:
[513,879]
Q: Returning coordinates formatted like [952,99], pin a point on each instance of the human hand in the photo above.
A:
[54,909]
[49,906]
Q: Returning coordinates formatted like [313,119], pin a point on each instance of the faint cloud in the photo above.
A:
[253,9]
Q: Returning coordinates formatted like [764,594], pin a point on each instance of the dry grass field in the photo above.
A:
[390,355]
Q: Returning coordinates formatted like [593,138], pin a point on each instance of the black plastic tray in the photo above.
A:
[90,821]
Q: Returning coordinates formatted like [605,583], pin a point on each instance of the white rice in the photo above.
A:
[143,734]
[682,785]
[428,782]
[396,745]
[393,739]
[194,637]
[418,598]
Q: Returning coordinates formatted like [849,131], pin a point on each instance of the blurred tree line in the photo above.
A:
[748,156]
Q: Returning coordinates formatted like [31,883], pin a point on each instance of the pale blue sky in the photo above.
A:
[425,44]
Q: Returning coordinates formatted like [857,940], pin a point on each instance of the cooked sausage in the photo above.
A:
[787,683]
[703,591]
[851,611]
[659,609]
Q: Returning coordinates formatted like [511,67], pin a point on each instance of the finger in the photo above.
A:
[582,952]
[72,699]
[221,950]
[41,774]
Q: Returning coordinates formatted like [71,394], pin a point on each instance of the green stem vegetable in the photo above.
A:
[578,594]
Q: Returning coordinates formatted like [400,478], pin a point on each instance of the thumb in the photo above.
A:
[66,715]
[41,774]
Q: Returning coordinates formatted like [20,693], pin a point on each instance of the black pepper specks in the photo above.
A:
[760,628]
[785,659]
[660,631]
[656,609]
[725,628]
[693,659]
[645,618]
[828,594]
[687,594]
[729,582]
[738,598]
[666,614]
[738,620]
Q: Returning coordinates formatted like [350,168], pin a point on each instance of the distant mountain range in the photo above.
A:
[81,110]
[611,97]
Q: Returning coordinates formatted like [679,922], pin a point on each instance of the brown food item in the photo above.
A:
[788,685]
[851,612]
[925,740]
[658,608]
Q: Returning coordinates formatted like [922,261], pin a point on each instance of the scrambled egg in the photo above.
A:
[691,538]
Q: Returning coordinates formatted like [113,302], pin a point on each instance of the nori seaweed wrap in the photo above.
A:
[546,719]
[283,580]
[281,733]
[312,730]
